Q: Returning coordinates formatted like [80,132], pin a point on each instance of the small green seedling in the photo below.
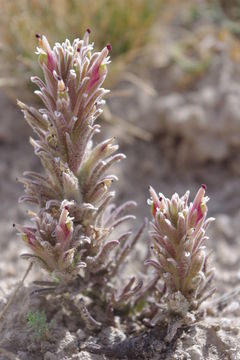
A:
[37,321]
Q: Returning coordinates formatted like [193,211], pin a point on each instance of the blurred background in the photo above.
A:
[174,105]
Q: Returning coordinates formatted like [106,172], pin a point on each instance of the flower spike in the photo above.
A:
[73,232]
[178,233]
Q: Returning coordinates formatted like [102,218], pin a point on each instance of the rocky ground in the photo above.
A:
[187,136]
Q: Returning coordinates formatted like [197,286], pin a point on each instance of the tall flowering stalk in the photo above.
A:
[73,233]
[179,233]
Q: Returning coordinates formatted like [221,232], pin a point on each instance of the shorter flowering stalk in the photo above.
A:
[178,233]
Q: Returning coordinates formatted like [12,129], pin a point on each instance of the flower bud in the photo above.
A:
[46,55]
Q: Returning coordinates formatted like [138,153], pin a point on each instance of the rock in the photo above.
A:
[111,335]
[84,355]
[50,356]
[195,353]
[68,345]
[81,334]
